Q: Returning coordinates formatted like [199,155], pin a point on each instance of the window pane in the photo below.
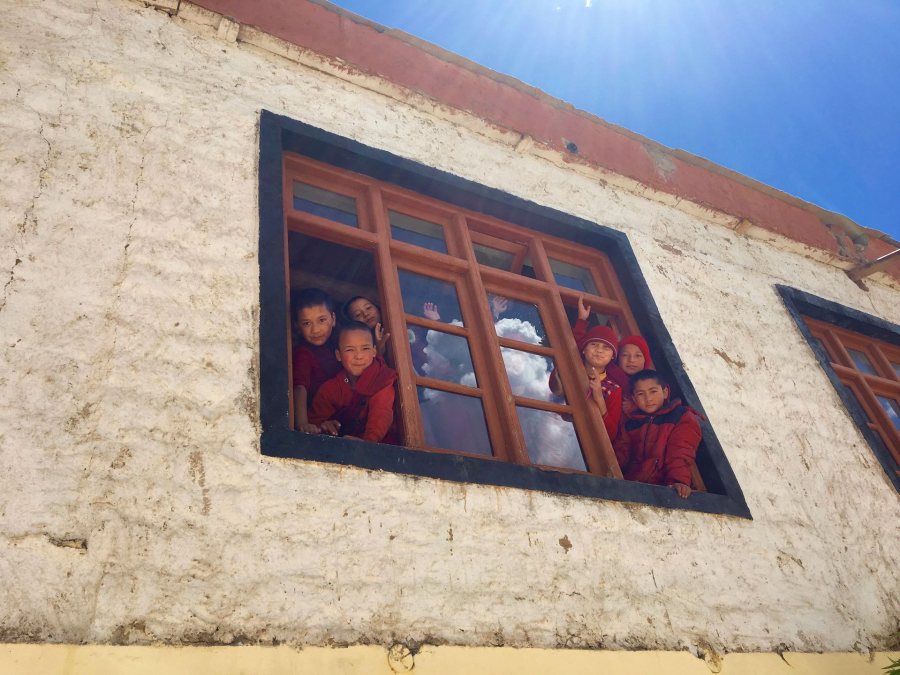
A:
[595,319]
[429,298]
[861,361]
[529,374]
[517,320]
[493,257]
[550,439]
[572,276]
[417,232]
[325,204]
[454,422]
[891,408]
[528,268]
[441,355]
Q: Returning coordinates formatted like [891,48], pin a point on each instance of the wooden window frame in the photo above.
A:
[473,211]
[830,328]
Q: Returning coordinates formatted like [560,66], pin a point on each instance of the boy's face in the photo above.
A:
[315,324]
[365,312]
[597,355]
[649,395]
[355,351]
[631,359]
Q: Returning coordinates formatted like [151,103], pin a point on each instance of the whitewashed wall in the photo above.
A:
[134,503]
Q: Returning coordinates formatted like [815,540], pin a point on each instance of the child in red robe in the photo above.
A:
[358,402]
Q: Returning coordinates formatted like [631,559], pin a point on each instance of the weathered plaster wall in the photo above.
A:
[134,504]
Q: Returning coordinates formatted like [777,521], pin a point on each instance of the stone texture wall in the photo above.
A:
[134,504]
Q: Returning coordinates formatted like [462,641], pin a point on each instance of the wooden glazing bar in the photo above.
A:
[452,387]
[322,228]
[519,287]
[890,387]
[503,424]
[598,305]
[425,262]
[598,451]
[413,320]
[526,347]
[548,406]
[392,316]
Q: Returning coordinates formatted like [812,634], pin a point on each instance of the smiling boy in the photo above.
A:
[658,444]
[358,402]
[598,349]
[312,362]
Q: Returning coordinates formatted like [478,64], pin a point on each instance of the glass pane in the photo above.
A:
[861,361]
[325,203]
[595,319]
[527,268]
[891,408]
[529,374]
[429,298]
[517,320]
[454,421]
[550,439]
[572,276]
[417,232]
[493,257]
[441,355]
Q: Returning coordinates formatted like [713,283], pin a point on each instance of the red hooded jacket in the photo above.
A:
[365,408]
[659,447]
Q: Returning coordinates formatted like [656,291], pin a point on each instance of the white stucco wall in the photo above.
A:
[134,503]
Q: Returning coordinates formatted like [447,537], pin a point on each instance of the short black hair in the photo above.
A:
[348,326]
[647,374]
[311,297]
[345,308]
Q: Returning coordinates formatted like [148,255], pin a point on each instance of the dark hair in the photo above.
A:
[647,374]
[311,297]
[345,308]
[349,326]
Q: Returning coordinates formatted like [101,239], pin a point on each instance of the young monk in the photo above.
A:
[313,358]
[658,444]
[598,349]
[634,356]
[358,402]
[360,308]
[580,329]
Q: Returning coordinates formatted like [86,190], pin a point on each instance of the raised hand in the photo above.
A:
[499,304]
[596,385]
[430,310]
[584,311]
[381,339]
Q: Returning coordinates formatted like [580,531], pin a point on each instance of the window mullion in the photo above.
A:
[597,446]
[392,315]
[503,423]
[883,362]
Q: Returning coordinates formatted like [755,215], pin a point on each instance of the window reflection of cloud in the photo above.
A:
[517,329]
[550,438]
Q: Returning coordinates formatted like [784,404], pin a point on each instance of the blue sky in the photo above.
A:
[803,95]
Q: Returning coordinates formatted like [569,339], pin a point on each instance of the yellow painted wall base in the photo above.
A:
[30,659]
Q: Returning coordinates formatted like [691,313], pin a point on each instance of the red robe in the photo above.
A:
[364,408]
[659,447]
[312,366]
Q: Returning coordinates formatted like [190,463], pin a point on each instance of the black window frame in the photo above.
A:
[799,304]
[279,134]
